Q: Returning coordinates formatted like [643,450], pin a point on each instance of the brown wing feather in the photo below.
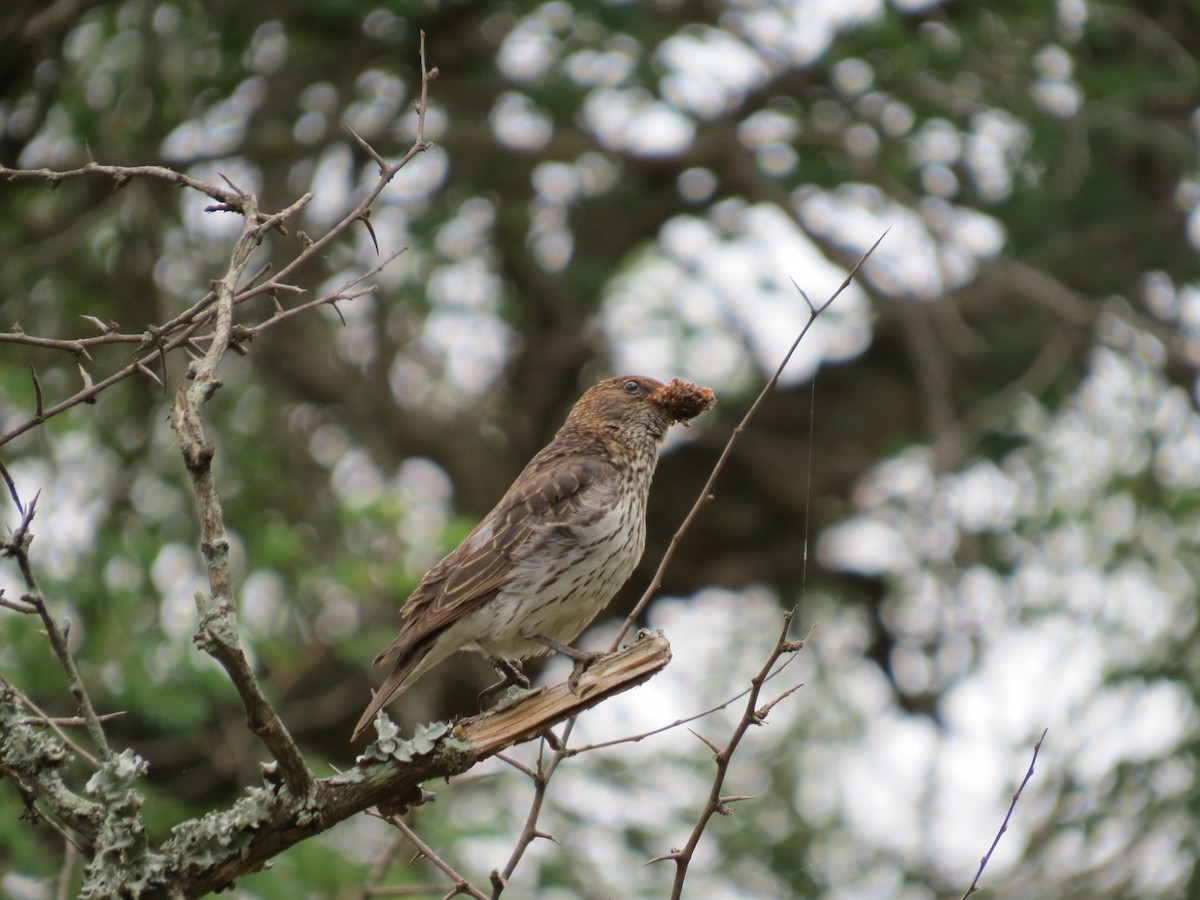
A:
[550,486]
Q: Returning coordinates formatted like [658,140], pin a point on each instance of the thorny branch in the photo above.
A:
[180,332]
[16,546]
[753,714]
[461,885]
[218,633]
[1007,816]
[706,494]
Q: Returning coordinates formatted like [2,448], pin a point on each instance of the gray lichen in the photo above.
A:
[124,864]
[33,759]
[389,744]
[205,842]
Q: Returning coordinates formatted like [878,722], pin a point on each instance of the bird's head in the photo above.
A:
[634,407]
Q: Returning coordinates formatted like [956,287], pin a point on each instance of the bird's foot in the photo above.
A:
[511,677]
[582,663]
[583,658]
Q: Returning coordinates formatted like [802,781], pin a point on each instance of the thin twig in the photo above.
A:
[17,606]
[17,547]
[636,738]
[122,175]
[344,292]
[67,721]
[70,858]
[1007,816]
[518,765]
[74,346]
[52,723]
[706,492]
[461,885]
[752,714]
[529,831]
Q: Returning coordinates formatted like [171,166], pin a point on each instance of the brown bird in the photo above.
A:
[555,549]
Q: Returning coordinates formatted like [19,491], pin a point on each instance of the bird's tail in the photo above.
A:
[406,667]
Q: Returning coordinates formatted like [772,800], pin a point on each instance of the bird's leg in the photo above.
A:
[582,658]
[510,676]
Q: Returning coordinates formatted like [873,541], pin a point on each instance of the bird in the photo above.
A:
[557,546]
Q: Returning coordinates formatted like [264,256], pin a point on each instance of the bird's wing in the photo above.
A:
[552,494]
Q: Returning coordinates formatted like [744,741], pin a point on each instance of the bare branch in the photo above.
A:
[53,723]
[17,547]
[177,332]
[345,292]
[636,738]
[751,715]
[706,493]
[70,859]
[18,606]
[75,346]
[1007,816]
[529,831]
[33,762]
[218,633]
[461,885]
[122,175]
[635,667]
[518,765]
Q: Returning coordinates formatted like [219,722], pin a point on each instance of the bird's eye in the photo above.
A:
[631,386]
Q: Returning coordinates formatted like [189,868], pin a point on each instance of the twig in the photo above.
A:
[218,633]
[461,885]
[529,831]
[177,332]
[342,293]
[74,346]
[122,175]
[18,606]
[1007,816]
[636,738]
[753,714]
[67,721]
[70,858]
[55,724]
[17,547]
[706,494]
[518,765]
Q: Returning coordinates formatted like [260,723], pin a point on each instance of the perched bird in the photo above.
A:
[555,549]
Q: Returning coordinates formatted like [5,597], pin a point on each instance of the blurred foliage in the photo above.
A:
[1003,429]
